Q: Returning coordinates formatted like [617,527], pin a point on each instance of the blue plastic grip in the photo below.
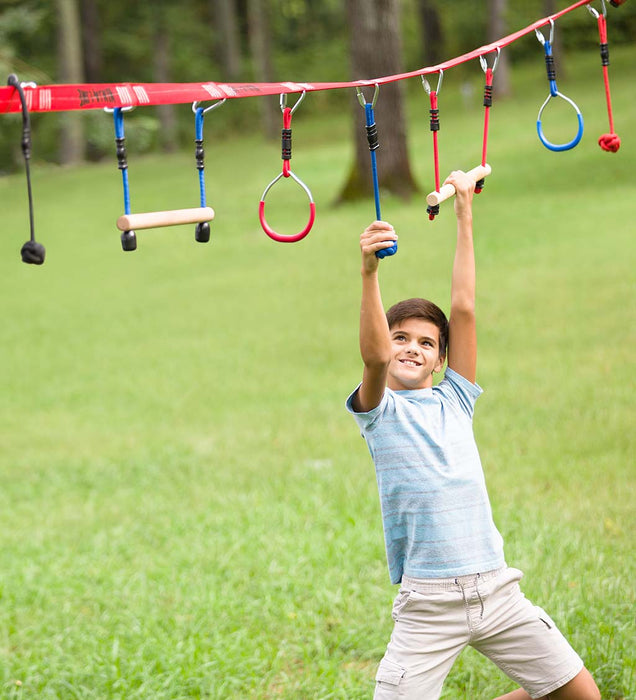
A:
[560,146]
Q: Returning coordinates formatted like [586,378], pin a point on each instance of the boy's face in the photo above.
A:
[415,354]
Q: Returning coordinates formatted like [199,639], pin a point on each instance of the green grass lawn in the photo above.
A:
[186,509]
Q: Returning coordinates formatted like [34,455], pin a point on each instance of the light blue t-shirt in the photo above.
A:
[435,508]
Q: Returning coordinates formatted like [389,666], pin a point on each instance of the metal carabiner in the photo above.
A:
[362,100]
[195,106]
[283,101]
[540,36]
[595,13]
[427,86]
[484,62]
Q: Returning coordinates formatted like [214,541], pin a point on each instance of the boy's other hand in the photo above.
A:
[464,191]
[375,237]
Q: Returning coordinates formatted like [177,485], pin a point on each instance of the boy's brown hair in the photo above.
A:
[424,309]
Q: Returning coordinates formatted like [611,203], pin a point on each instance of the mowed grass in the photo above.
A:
[186,509]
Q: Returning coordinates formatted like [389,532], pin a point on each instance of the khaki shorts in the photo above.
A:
[436,618]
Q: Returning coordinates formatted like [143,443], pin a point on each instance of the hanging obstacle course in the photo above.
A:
[119,98]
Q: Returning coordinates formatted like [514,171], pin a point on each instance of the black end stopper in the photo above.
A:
[128,241]
[33,253]
[202,232]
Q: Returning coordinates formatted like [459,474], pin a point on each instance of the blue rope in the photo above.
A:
[370,118]
[368,110]
[198,135]
[118,117]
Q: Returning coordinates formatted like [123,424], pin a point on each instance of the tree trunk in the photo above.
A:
[431,32]
[69,42]
[91,41]
[497,28]
[161,70]
[375,45]
[260,48]
[227,44]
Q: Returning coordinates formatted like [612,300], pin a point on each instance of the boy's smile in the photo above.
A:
[414,355]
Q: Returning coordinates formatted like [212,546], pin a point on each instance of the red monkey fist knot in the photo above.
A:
[609,142]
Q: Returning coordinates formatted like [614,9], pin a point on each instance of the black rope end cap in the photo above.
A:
[33,253]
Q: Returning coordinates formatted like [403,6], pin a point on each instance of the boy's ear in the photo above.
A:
[440,364]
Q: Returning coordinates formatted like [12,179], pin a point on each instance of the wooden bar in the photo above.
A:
[447,191]
[156,219]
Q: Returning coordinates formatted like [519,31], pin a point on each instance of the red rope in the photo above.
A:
[608,142]
[435,145]
[287,117]
[487,103]
[433,210]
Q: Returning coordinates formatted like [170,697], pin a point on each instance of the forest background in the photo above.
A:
[75,41]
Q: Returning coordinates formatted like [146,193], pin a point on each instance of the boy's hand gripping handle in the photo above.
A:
[448,190]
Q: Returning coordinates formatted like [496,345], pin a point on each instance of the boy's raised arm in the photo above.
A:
[375,341]
[462,334]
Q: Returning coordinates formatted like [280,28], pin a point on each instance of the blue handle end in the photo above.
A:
[385,252]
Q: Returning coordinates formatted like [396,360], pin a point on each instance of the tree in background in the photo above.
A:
[498,27]
[432,32]
[71,70]
[159,17]
[227,40]
[376,50]
[259,32]
[91,41]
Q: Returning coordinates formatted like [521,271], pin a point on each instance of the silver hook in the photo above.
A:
[540,36]
[484,62]
[361,98]
[427,86]
[127,108]
[195,106]
[283,101]
[595,13]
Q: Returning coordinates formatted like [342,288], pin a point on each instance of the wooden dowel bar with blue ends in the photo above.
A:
[448,190]
[157,219]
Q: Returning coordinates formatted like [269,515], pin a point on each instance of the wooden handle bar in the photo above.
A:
[446,191]
[155,219]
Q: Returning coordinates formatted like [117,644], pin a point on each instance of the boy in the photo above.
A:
[441,542]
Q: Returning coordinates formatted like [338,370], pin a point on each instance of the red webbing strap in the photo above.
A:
[56,98]
[608,142]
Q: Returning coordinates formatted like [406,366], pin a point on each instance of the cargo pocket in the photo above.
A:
[545,618]
[399,604]
[388,678]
